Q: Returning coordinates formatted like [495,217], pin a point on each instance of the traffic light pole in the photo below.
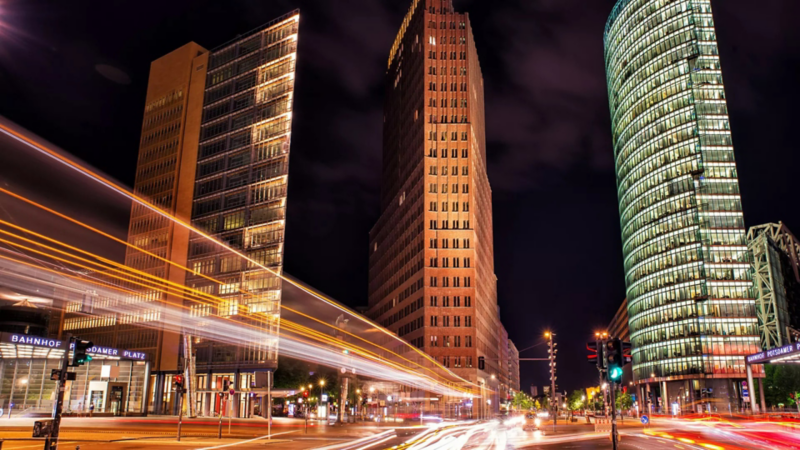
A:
[612,389]
[51,441]
[180,415]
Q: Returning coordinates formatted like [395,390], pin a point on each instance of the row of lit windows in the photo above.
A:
[694,327]
[664,261]
[76,323]
[463,225]
[665,278]
[434,301]
[635,22]
[458,362]
[652,74]
[646,100]
[647,119]
[451,341]
[443,71]
[659,40]
[661,191]
[666,234]
[434,189]
[445,206]
[717,365]
[453,153]
[434,282]
[457,262]
[462,40]
[454,172]
[658,170]
[685,135]
[656,212]
[450,321]
[457,243]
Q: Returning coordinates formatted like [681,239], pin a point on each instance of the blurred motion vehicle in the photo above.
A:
[532,423]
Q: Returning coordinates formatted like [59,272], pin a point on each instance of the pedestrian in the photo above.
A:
[80,409]
[91,410]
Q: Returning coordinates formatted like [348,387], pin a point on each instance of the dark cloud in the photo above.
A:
[558,256]
[112,73]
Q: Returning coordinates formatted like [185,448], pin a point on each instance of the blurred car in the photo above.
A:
[532,423]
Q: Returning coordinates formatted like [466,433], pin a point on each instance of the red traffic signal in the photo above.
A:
[305,394]
[592,357]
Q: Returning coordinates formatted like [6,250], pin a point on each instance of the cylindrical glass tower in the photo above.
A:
[690,300]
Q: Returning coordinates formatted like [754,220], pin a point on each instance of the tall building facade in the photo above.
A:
[431,267]
[241,180]
[690,297]
[513,366]
[214,151]
[170,126]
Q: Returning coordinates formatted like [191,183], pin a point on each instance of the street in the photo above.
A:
[663,433]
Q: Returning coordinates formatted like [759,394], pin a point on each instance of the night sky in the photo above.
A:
[76,74]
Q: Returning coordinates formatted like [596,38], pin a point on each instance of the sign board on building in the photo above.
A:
[745,392]
[766,355]
[36,341]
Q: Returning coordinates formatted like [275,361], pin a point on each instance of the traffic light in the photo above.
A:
[225,385]
[626,353]
[177,381]
[481,363]
[614,360]
[79,356]
[305,394]
[592,347]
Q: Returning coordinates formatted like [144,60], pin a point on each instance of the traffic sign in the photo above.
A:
[645,420]
[232,391]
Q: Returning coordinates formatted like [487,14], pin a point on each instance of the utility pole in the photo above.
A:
[552,356]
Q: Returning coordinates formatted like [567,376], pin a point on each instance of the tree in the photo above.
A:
[522,401]
[624,401]
[576,400]
[780,382]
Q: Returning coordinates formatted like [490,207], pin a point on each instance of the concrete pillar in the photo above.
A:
[665,406]
[642,401]
[647,400]
[750,391]
[761,395]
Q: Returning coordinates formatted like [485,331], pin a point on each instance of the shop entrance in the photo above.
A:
[116,399]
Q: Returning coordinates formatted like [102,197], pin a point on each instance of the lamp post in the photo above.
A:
[552,356]
[319,403]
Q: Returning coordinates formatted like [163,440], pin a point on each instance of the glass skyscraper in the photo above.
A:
[690,297]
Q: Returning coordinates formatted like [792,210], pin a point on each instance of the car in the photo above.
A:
[532,423]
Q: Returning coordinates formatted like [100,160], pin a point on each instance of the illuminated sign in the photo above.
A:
[773,353]
[37,341]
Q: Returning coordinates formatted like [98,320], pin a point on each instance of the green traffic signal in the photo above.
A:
[615,373]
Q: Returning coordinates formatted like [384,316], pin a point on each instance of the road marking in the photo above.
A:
[249,440]
[376,443]
[39,445]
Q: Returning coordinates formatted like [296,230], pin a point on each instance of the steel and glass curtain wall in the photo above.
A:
[690,297]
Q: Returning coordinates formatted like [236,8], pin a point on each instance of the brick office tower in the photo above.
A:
[431,272]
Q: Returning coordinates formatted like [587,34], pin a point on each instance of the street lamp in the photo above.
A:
[319,403]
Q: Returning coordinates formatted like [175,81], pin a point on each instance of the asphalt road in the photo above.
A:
[159,432]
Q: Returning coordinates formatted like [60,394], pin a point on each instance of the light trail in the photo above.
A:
[131,196]
[176,318]
[146,280]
